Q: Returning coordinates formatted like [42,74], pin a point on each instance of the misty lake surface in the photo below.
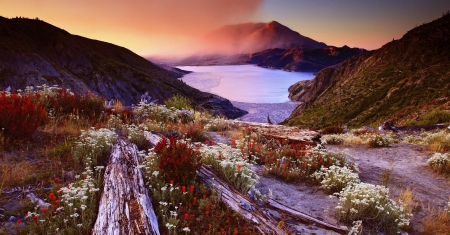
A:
[244,83]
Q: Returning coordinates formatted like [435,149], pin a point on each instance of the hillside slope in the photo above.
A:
[394,82]
[296,59]
[33,52]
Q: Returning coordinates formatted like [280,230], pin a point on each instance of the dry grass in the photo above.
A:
[13,173]
[437,222]
[234,134]
[69,126]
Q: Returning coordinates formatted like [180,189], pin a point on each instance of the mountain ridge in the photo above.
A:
[386,84]
[254,37]
[33,52]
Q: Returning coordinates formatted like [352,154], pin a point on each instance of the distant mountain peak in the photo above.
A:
[255,37]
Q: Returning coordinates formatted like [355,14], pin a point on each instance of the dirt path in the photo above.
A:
[409,169]
[309,200]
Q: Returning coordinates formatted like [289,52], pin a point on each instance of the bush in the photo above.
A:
[179,102]
[177,161]
[20,116]
[335,178]
[435,117]
[378,141]
[440,162]
[371,204]
[332,130]
[332,139]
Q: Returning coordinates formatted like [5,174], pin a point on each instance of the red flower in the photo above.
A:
[207,212]
[195,200]
[186,216]
[45,210]
[239,166]
[187,225]
[183,188]
[220,156]
[19,221]
[192,188]
[52,196]
[56,180]
[213,143]
[171,182]
[35,217]
[207,142]
[235,232]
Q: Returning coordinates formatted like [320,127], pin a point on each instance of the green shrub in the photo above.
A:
[178,102]
[435,117]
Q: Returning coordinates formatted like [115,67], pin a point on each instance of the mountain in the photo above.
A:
[33,52]
[254,37]
[402,81]
[296,59]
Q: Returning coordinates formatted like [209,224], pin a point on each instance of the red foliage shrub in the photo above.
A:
[64,102]
[178,161]
[332,130]
[20,116]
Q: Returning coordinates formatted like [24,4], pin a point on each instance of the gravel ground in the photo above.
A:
[258,112]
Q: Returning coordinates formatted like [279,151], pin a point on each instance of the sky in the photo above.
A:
[150,27]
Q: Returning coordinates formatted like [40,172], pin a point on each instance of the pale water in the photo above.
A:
[244,83]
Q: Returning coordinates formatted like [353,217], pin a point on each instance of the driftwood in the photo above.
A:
[304,217]
[239,203]
[236,201]
[125,207]
[280,132]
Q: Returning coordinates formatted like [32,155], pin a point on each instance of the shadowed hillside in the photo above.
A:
[33,52]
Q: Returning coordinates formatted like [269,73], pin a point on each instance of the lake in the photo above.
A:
[244,83]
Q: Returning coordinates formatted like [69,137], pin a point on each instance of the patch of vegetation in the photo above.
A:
[179,102]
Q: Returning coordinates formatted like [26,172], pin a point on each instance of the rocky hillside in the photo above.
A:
[392,83]
[33,52]
[296,59]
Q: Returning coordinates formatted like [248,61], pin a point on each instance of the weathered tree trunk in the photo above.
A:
[304,217]
[239,203]
[125,207]
[280,132]
[236,201]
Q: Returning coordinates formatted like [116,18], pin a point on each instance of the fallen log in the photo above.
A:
[125,207]
[280,132]
[239,203]
[236,201]
[304,217]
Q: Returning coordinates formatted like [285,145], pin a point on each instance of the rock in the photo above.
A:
[220,106]
[37,200]
[69,176]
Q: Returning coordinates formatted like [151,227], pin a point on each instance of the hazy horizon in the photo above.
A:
[175,27]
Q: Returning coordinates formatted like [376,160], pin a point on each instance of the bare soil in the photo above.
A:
[409,170]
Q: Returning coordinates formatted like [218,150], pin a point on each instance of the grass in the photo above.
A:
[437,222]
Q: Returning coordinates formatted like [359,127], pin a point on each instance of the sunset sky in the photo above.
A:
[166,26]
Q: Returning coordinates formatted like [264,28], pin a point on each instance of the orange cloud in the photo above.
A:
[144,26]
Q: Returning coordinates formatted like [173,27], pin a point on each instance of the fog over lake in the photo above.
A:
[244,83]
